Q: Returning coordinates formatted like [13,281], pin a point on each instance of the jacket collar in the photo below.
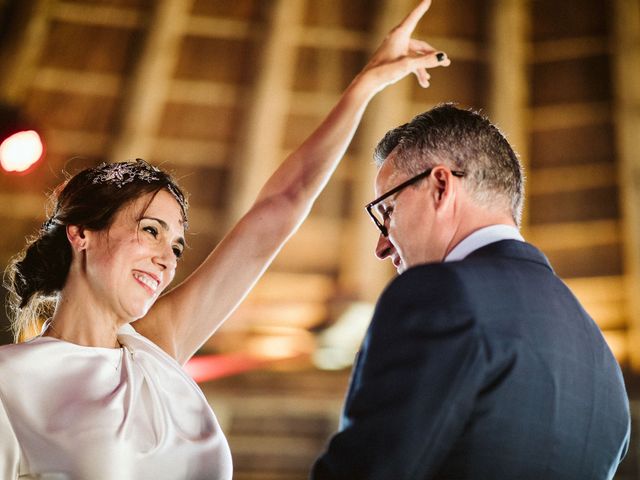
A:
[514,249]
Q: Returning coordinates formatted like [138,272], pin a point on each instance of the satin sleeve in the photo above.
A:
[9,447]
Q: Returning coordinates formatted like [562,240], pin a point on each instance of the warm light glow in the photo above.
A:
[21,151]
[205,368]
[338,345]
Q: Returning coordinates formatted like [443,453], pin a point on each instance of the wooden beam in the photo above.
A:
[78,82]
[267,107]
[627,115]
[569,115]
[571,178]
[189,152]
[146,90]
[203,93]
[569,49]
[76,142]
[332,37]
[99,15]
[18,63]
[210,27]
[563,236]
[508,97]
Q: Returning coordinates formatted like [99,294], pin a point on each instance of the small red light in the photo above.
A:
[21,151]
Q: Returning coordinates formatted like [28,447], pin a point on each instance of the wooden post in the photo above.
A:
[626,44]
[507,56]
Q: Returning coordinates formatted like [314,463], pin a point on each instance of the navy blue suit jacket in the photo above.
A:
[486,368]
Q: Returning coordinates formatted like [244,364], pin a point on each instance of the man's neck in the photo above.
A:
[481,238]
[474,221]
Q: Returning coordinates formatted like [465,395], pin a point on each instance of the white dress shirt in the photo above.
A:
[481,238]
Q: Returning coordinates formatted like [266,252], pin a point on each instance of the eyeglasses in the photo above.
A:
[380,222]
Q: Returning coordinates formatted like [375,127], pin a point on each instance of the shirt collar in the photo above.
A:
[481,238]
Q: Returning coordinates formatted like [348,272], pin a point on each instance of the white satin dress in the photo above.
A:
[74,412]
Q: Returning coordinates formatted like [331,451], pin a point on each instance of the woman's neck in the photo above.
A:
[83,323]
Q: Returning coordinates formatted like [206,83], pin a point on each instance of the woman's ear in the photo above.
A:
[76,236]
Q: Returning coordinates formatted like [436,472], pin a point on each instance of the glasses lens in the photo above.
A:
[377,217]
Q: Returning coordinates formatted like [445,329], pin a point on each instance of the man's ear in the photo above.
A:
[76,237]
[442,179]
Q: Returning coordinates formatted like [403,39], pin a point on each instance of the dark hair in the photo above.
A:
[91,198]
[464,140]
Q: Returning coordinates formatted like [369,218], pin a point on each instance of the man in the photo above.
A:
[479,363]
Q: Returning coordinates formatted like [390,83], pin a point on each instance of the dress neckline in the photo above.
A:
[46,325]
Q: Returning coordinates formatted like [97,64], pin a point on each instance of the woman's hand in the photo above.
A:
[399,54]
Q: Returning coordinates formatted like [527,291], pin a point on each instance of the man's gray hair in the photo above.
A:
[462,140]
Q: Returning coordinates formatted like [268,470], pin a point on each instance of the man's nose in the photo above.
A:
[384,247]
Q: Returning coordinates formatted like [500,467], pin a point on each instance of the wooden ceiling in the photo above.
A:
[219,91]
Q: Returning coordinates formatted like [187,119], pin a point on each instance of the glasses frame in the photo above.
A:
[369,206]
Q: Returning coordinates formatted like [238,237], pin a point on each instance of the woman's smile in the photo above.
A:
[149,281]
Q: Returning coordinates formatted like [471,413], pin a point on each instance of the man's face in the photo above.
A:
[412,217]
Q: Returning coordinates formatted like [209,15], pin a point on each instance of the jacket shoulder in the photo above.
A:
[435,292]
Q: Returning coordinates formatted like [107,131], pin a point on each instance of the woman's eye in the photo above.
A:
[152,230]
[177,252]
[386,213]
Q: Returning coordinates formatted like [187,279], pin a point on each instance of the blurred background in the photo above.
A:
[219,91]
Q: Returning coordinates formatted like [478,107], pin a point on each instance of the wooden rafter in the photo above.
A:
[148,86]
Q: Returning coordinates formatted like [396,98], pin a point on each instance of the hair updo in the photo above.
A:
[90,199]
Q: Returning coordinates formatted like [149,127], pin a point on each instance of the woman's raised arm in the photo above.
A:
[183,319]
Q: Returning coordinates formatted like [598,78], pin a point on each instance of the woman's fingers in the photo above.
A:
[399,42]
[423,77]
[420,46]
[430,60]
[400,55]
[408,25]
[391,72]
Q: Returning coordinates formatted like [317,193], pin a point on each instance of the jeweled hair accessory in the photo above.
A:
[121,173]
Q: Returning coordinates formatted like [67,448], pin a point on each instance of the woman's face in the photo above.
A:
[130,264]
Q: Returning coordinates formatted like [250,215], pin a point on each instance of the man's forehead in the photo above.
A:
[387,176]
